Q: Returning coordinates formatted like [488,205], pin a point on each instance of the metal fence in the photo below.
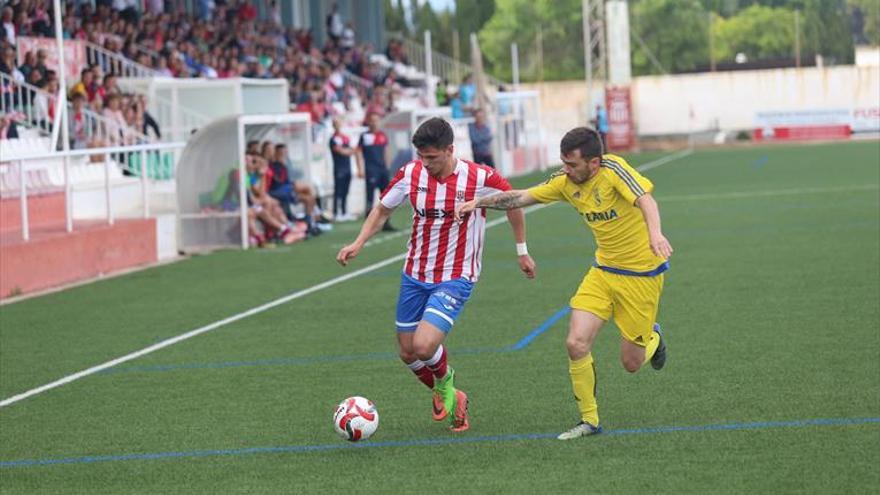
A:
[25,173]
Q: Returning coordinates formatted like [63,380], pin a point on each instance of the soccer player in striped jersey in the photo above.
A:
[626,280]
[443,256]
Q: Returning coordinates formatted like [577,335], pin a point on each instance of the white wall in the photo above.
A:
[732,100]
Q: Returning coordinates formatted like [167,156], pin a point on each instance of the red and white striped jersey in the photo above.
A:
[439,248]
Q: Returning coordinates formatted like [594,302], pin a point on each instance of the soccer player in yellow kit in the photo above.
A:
[626,279]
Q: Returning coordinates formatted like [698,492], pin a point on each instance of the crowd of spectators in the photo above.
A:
[222,39]
[101,113]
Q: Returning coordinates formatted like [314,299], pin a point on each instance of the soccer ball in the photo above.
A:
[356,418]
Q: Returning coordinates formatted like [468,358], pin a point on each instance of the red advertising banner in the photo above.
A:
[74,54]
[621,129]
[803,133]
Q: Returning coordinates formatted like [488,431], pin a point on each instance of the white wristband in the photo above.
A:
[521,249]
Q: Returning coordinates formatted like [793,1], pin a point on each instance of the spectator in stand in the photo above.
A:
[68,26]
[334,23]
[114,121]
[377,105]
[8,24]
[128,9]
[86,85]
[8,127]
[481,139]
[441,94]
[456,106]
[78,123]
[162,68]
[315,106]
[467,92]
[206,9]
[44,103]
[109,87]
[155,7]
[8,67]
[29,64]
[247,11]
[148,121]
[347,41]
[341,150]
[134,122]
[372,162]
[41,67]
[254,68]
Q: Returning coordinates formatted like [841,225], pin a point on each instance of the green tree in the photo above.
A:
[470,17]
[439,24]
[826,31]
[395,21]
[675,31]
[517,21]
[869,10]
[758,31]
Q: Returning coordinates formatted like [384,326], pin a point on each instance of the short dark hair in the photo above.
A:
[433,133]
[585,139]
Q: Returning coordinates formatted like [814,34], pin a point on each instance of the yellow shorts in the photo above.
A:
[632,301]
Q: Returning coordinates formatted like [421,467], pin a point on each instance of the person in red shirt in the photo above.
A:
[247,11]
[315,106]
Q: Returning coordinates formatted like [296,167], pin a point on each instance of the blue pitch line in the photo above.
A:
[378,356]
[541,329]
[435,441]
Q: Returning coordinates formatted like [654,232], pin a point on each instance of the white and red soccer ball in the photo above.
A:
[355,419]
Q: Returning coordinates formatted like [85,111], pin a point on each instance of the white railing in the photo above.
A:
[32,104]
[144,151]
[443,66]
[350,77]
[115,63]
[176,122]
[22,98]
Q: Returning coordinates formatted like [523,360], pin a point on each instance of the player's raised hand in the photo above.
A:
[347,253]
[527,265]
[660,246]
[463,209]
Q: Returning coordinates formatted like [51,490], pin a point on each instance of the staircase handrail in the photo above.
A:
[116,63]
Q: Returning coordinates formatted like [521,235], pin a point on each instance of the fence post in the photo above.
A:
[145,183]
[68,196]
[107,187]
[25,228]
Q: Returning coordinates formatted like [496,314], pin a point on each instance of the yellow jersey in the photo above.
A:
[606,202]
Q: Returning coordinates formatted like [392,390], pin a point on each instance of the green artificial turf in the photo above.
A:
[771,311]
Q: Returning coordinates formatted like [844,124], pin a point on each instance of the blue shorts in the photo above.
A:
[438,304]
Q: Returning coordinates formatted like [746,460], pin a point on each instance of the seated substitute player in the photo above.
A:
[627,278]
[443,256]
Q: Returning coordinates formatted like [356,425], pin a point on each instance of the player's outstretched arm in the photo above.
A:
[507,200]
[517,219]
[659,245]
[375,220]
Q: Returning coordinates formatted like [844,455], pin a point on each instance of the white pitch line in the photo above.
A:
[666,159]
[199,331]
[259,309]
[773,192]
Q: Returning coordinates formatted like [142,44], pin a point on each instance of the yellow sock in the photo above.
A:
[651,348]
[583,382]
